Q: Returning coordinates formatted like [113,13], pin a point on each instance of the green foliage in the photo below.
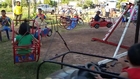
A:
[95,1]
[8,9]
[47,1]
[65,1]
[4,4]
[24,3]
[87,3]
[34,5]
[53,3]
[9,3]
[33,15]
[84,6]
[79,4]
[119,2]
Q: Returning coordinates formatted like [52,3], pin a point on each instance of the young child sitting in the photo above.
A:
[40,19]
[131,69]
[97,17]
[24,38]
[40,15]
[5,23]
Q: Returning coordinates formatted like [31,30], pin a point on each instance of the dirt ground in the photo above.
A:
[79,40]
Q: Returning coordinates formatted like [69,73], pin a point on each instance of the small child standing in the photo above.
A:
[24,39]
[18,12]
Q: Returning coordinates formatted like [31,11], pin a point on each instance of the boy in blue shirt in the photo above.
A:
[5,24]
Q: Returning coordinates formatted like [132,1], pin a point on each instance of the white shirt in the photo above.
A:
[107,9]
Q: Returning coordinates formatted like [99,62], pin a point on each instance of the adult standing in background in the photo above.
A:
[107,11]
[18,11]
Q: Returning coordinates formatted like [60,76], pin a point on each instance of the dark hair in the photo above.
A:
[18,1]
[24,28]
[39,9]
[98,12]
[134,54]
[3,11]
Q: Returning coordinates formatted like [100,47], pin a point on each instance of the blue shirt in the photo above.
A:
[97,18]
[5,21]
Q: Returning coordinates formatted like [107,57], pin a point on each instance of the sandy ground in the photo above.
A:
[79,40]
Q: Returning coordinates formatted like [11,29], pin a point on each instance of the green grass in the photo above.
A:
[8,70]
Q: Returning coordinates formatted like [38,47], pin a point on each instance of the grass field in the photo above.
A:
[9,70]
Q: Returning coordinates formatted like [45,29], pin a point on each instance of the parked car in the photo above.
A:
[46,8]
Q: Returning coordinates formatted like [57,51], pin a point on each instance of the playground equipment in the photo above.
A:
[68,20]
[98,24]
[80,71]
[43,25]
[104,40]
[89,70]
[35,47]
[121,39]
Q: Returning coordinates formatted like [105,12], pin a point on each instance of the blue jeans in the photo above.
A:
[7,29]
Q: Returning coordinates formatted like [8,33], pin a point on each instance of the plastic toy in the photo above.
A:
[102,23]
[68,23]
[45,31]
[68,20]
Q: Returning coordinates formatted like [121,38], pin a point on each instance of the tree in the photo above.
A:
[35,4]
[4,4]
[9,3]
[119,3]
[47,1]
[88,3]
[24,3]
[53,3]
[95,1]
[65,1]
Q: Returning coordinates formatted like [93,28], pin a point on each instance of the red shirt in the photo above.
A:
[133,73]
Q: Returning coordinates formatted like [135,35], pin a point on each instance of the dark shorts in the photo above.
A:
[107,14]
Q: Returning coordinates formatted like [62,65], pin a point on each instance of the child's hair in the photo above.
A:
[24,28]
[17,1]
[134,54]
[98,12]
[40,9]
[3,11]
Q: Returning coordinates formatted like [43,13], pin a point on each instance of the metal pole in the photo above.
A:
[138,24]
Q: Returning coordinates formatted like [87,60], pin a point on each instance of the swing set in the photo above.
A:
[68,20]
[91,69]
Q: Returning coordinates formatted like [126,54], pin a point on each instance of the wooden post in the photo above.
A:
[13,1]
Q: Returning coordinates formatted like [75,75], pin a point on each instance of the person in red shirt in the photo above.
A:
[131,69]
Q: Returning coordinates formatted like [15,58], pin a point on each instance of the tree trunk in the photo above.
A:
[34,6]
